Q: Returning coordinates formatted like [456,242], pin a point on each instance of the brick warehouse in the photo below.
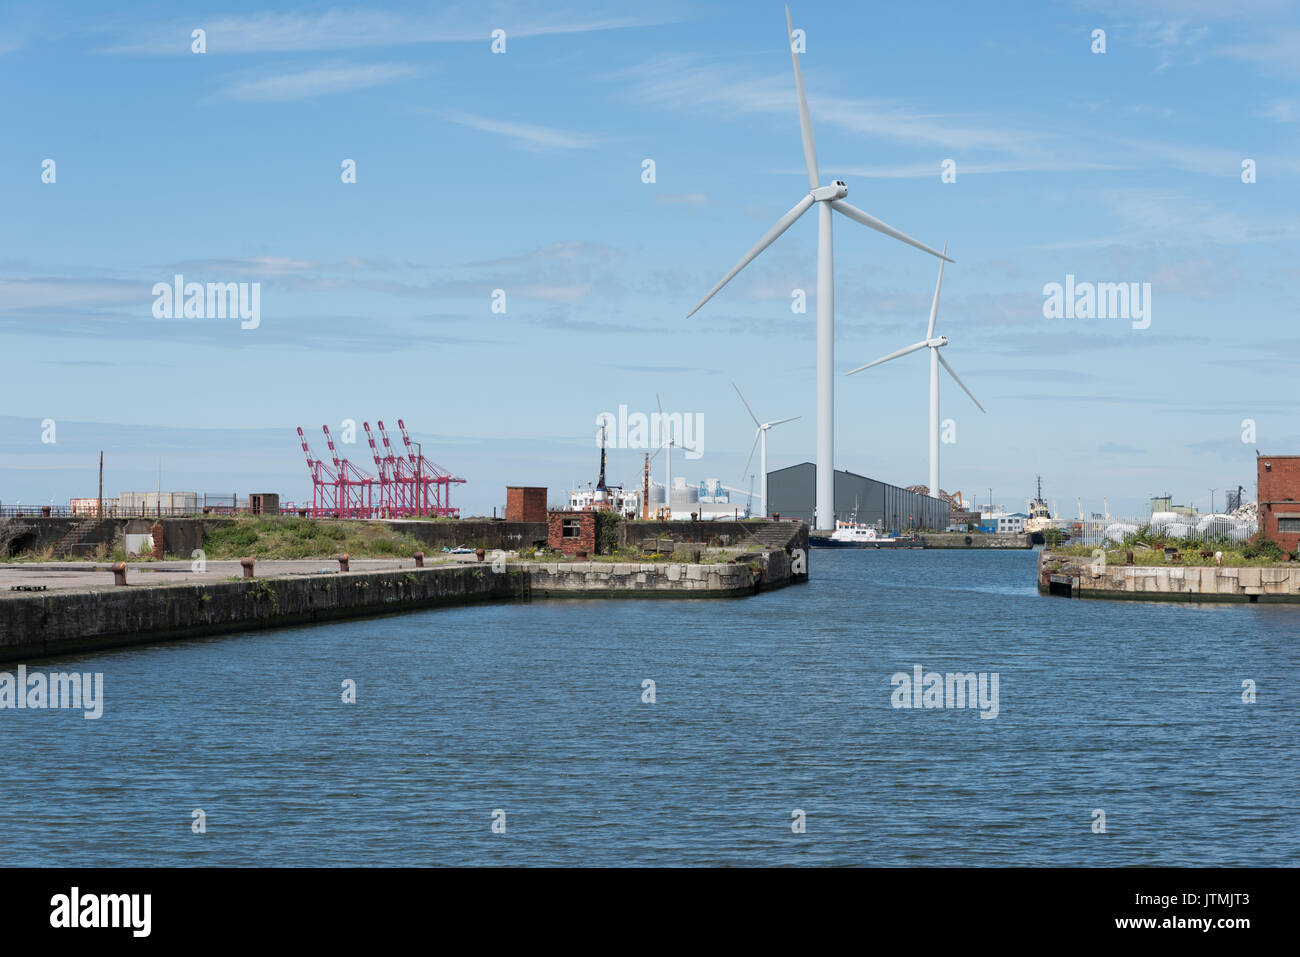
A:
[1279,499]
[571,532]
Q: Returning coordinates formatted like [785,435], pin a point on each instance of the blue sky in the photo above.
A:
[522,171]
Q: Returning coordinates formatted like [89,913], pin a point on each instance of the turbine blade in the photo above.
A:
[780,421]
[805,122]
[757,433]
[934,306]
[769,237]
[742,399]
[866,219]
[959,382]
[892,355]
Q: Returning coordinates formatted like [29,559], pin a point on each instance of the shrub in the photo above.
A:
[1263,548]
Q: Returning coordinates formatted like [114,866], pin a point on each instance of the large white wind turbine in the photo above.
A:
[827,198]
[935,344]
[760,439]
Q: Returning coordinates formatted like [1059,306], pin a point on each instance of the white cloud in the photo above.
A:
[527,135]
[319,81]
[360,28]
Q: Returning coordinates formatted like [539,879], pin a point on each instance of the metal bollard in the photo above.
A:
[247,564]
[696,556]
[343,562]
[119,573]
[419,559]
[479,553]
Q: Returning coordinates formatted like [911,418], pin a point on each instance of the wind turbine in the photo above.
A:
[934,343]
[670,444]
[760,438]
[826,198]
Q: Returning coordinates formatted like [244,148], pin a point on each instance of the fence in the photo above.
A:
[192,508]
[1199,528]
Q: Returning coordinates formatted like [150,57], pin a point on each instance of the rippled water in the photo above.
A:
[764,705]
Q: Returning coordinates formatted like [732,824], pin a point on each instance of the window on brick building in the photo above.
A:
[1288,525]
[571,528]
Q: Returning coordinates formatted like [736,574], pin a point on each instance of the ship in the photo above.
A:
[1040,518]
[858,535]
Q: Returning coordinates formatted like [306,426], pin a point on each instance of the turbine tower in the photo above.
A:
[668,443]
[934,343]
[826,198]
[760,439]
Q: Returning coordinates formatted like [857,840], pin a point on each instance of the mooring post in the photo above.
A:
[119,573]
[419,559]
[247,564]
[343,562]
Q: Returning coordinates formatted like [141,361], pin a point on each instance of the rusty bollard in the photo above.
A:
[479,553]
[119,573]
[696,556]
[247,565]
[1128,558]
[419,559]
[343,562]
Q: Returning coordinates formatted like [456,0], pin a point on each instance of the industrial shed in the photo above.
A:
[791,493]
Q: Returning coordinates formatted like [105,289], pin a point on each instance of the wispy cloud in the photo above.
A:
[1278,52]
[674,81]
[360,28]
[317,81]
[526,135]
[1282,111]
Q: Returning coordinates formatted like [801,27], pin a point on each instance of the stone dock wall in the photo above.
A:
[36,625]
[1081,578]
[976,540]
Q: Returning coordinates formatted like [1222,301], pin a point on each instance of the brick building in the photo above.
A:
[1279,499]
[571,532]
[525,503]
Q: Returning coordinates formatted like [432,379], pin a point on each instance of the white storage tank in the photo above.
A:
[1160,519]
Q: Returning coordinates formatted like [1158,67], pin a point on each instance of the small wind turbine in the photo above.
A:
[934,343]
[760,439]
[669,444]
[826,198]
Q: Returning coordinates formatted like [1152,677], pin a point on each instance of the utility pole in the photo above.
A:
[101,485]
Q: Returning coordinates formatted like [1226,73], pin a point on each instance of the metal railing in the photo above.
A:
[137,511]
[1095,531]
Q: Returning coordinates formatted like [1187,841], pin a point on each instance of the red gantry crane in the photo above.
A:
[433,482]
[323,482]
[403,485]
[353,496]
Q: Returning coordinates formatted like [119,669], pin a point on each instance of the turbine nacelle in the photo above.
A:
[826,194]
[938,342]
